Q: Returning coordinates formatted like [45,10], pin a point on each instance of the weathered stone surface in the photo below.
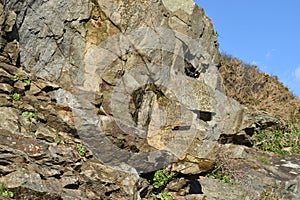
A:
[124,62]
[213,189]
[5,88]
[9,119]
[51,33]
[5,100]
[253,175]
[257,175]
[98,173]
[134,82]
[5,77]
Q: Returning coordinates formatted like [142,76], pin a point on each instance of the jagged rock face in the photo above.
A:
[155,75]
[134,81]
[58,34]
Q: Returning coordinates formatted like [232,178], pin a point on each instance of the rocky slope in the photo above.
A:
[98,95]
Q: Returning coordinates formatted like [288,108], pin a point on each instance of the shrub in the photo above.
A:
[227,169]
[279,141]
[162,177]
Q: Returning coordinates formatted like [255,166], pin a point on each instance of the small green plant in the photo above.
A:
[30,115]
[279,141]
[164,196]
[5,192]
[215,33]
[16,77]
[277,117]
[57,139]
[150,196]
[27,83]
[226,169]
[162,177]
[81,149]
[224,178]
[16,97]
[271,142]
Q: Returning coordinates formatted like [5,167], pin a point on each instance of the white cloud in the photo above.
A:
[297,74]
[254,62]
[270,53]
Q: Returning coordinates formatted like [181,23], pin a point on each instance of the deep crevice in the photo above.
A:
[204,115]
[235,139]
[108,193]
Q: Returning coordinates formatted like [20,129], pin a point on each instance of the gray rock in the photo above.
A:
[213,189]
[136,84]
[51,33]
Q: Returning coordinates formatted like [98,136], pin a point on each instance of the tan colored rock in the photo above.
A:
[133,82]
[5,76]
[187,6]
[12,51]
[19,85]
[5,100]
[5,88]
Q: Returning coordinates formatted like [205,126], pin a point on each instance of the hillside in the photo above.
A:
[258,91]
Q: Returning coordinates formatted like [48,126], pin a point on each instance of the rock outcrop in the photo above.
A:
[97,94]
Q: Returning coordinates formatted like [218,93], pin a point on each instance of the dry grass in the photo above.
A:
[228,166]
[258,91]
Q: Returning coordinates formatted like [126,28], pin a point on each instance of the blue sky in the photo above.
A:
[261,32]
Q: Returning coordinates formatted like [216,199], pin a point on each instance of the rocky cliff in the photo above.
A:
[97,96]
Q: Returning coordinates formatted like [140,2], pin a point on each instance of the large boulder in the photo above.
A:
[145,86]
[134,82]
[155,75]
